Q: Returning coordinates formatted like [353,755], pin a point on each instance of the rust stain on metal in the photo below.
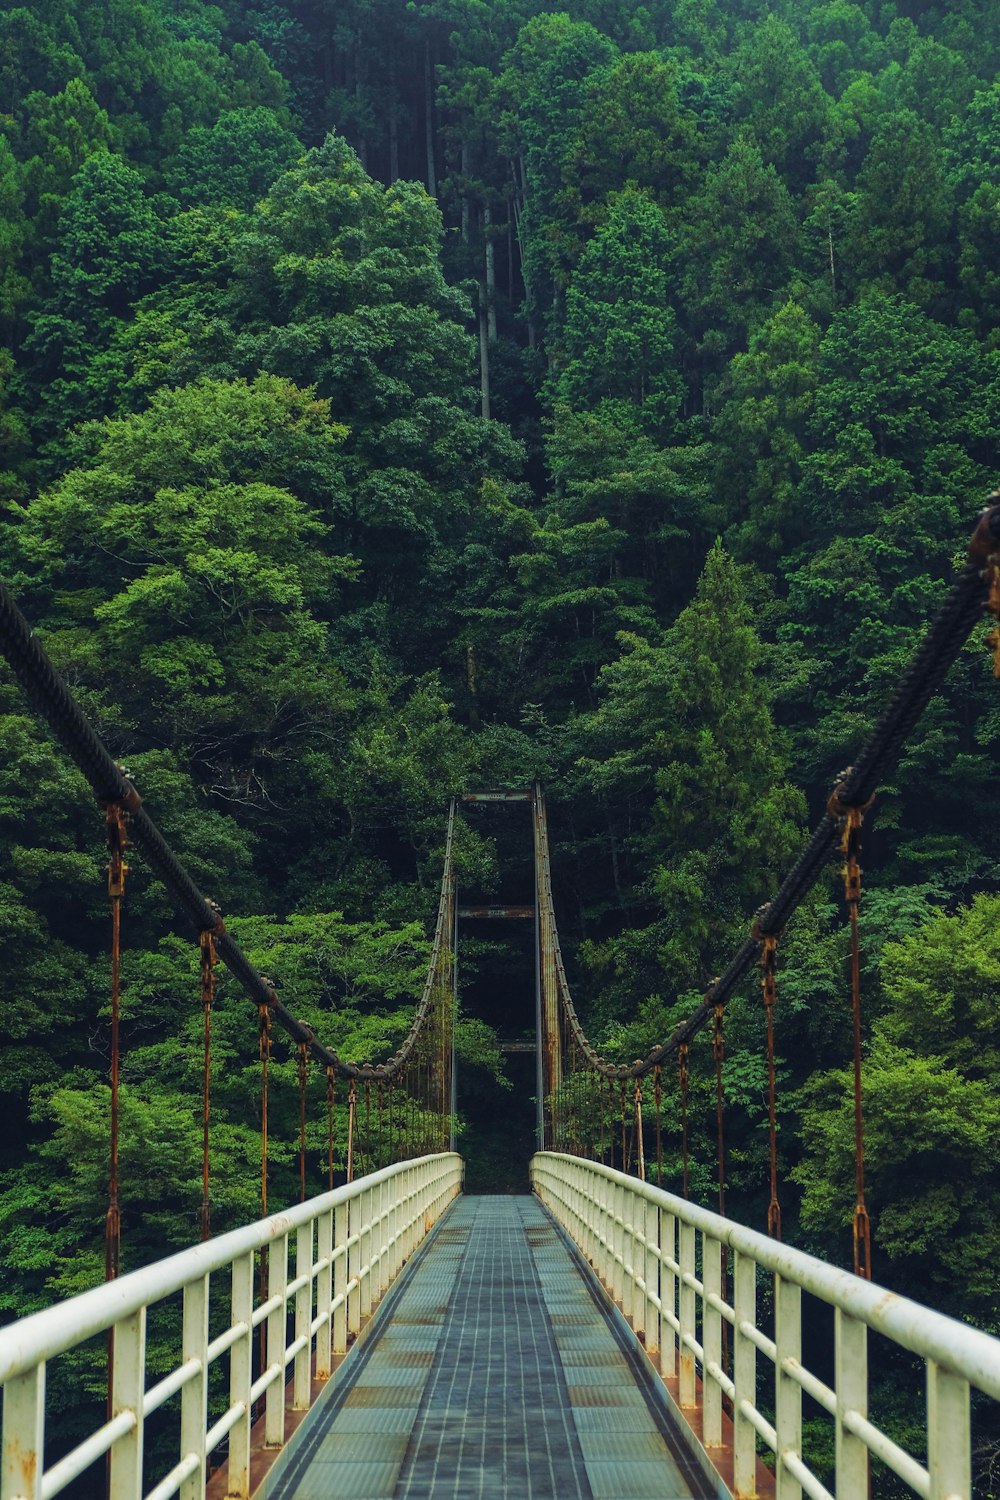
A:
[369,1396]
[595,1395]
[25,1463]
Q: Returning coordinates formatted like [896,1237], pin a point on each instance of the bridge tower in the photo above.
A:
[548,1044]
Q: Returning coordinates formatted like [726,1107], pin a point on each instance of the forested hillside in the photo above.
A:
[399,397]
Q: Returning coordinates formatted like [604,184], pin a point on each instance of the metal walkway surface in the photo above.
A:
[491,1371]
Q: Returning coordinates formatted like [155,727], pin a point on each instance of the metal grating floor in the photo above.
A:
[497,1376]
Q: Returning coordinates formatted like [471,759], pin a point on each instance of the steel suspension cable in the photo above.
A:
[682,1069]
[206,942]
[719,1057]
[264,1046]
[303,1080]
[117,871]
[352,1117]
[640,1156]
[851,849]
[975,588]
[51,697]
[331,1108]
[769,990]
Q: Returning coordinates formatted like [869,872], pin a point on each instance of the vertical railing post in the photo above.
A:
[686,1300]
[949,1457]
[394,1228]
[745,1377]
[787,1391]
[340,1218]
[668,1295]
[618,1243]
[302,1380]
[23,1436]
[711,1338]
[241,1378]
[128,1385]
[850,1341]
[194,1396]
[600,1236]
[324,1293]
[274,1401]
[628,1255]
[365,1202]
[406,1215]
[384,1236]
[353,1243]
[651,1275]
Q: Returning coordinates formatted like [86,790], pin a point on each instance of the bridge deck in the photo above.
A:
[491,1372]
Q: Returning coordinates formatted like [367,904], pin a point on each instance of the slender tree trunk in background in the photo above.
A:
[429,120]
[551,361]
[616,873]
[471,680]
[491,275]
[465,193]
[356,69]
[393,123]
[510,258]
[833,269]
[518,204]
[484,353]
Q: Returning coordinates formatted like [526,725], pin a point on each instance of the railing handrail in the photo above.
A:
[40,1336]
[666,1262]
[967,1351]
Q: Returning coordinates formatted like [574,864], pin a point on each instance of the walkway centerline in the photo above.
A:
[496,1376]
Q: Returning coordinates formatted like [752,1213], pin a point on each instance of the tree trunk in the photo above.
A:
[518,204]
[491,275]
[429,120]
[362,142]
[393,123]
[616,874]
[465,192]
[833,269]
[471,680]
[484,354]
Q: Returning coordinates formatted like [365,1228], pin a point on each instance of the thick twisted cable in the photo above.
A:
[51,697]
[944,638]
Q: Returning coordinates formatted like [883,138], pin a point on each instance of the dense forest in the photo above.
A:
[402,397]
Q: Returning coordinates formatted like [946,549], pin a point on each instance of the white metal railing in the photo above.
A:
[349,1246]
[647,1247]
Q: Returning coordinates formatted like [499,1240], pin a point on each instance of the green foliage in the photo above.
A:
[235,160]
[931,1110]
[620,338]
[733,273]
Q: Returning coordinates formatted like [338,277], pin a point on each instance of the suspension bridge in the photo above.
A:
[602,1337]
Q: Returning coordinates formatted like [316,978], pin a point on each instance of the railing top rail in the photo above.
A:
[931,1335]
[43,1335]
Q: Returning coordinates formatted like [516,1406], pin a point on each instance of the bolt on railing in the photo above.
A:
[646,1247]
[350,1244]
